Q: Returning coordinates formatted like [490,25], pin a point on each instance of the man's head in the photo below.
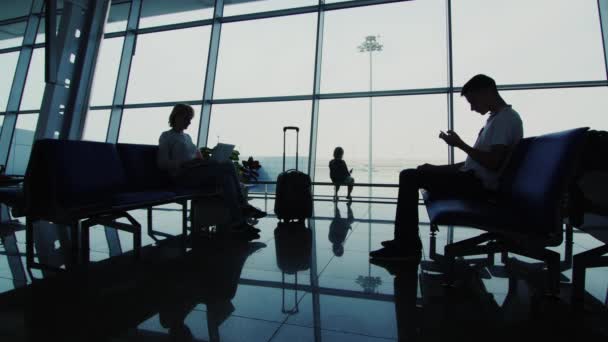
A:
[481,93]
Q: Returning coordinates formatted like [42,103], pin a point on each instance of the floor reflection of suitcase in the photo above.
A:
[294,189]
[293,243]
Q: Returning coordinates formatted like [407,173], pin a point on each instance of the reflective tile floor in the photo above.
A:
[295,283]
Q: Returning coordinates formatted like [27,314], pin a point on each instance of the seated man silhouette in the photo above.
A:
[338,229]
[474,178]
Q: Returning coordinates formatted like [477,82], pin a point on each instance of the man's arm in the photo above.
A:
[444,167]
[492,159]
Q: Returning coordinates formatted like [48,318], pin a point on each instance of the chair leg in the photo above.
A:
[137,242]
[553,263]
[29,242]
[591,258]
[149,209]
[74,238]
[466,247]
[184,221]
[578,281]
[569,245]
[85,243]
[433,242]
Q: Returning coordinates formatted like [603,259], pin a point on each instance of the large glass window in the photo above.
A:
[96,125]
[162,12]
[413,55]
[235,7]
[542,111]
[12,35]
[106,71]
[34,84]
[8,63]
[257,131]
[269,57]
[145,125]
[529,42]
[117,19]
[169,66]
[405,133]
[14,9]
[21,145]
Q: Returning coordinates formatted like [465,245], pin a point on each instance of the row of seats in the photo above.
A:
[83,183]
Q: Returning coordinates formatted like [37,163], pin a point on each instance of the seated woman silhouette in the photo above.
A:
[183,160]
[339,174]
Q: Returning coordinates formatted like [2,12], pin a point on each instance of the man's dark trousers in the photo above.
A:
[442,180]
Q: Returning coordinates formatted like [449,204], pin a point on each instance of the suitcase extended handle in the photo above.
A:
[297,143]
[297,129]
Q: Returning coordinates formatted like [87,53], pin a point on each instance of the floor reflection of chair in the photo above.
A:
[11,251]
[53,246]
[594,222]
[117,294]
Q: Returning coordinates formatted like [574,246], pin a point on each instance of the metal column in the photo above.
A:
[74,49]
[128,50]
[214,46]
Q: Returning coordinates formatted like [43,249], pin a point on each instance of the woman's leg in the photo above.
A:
[223,175]
[351,184]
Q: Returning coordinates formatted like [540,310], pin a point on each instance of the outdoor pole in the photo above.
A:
[370,126]
[370,44]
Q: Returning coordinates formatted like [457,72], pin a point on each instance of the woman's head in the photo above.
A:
[338,152]
[180,117]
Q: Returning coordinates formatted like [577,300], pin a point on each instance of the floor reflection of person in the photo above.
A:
[214,286]
[406,293]
[338,229]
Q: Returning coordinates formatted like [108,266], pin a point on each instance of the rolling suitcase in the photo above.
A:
[293,193]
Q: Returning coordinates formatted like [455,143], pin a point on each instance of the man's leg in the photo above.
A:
[437,179]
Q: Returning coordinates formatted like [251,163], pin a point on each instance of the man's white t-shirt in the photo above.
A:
[501,128]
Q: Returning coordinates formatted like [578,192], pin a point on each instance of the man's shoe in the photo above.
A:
[253,212]
[414,243]
[397,254]
[389,243]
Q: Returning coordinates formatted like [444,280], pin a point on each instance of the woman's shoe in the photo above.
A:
[253,212]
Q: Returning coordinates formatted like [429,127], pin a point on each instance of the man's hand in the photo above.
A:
[451,138]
